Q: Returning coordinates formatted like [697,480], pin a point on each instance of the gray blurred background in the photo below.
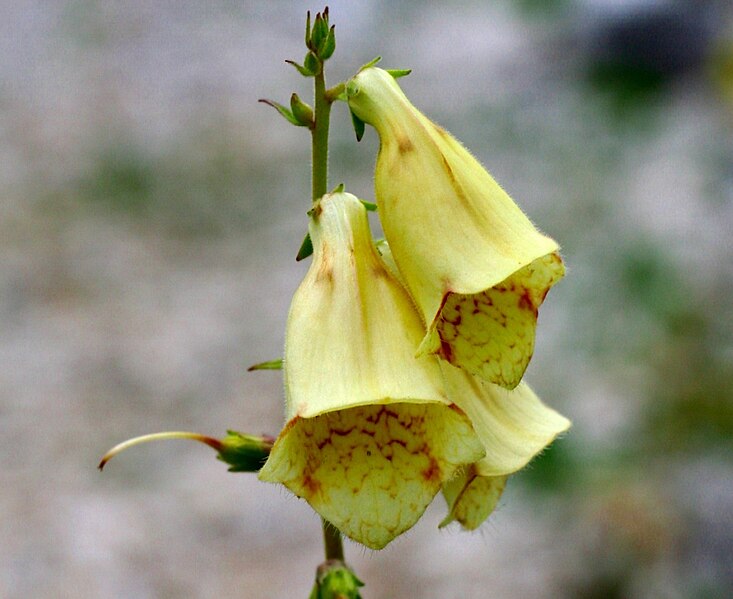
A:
[151,211]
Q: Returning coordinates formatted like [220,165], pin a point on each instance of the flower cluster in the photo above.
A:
[403,363]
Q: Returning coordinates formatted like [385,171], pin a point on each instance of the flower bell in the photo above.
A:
[475,265]
[513,425]
[370,435]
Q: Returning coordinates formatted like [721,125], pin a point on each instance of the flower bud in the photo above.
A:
[475,265]
[370,435]
[335,580]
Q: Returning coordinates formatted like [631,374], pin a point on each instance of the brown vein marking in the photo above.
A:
[525,302]
[446,351]
[432,472]
[325,268]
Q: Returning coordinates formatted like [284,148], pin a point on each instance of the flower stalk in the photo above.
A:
[332,541]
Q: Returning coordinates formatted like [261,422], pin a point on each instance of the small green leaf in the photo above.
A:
[339,188]
[270,365]
[370,206]
[301,69]
[327,48]
[312,63]
[306,248]
[397,73]
[285,112]
[301,111]
[358,126]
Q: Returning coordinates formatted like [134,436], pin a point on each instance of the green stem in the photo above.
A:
[322,114]
[320,137]
[332,541]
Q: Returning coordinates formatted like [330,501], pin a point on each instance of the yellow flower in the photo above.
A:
[370,435]
[514,426]
[475,265]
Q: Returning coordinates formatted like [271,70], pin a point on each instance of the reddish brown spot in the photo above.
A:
[322,444]
[310,485]
[432,472]
[525,301]
[404,145]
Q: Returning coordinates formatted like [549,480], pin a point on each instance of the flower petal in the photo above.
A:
[372,470]
[471,497]
[514,426]
[491,334]
[352,328]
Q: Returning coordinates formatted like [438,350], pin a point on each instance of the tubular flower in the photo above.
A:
[370,435]
[513,426]
[475,265]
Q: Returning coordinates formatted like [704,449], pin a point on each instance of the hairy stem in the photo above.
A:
[332,541]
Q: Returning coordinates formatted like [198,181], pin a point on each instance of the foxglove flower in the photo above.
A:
[475,265]
[370,436]
[514,426]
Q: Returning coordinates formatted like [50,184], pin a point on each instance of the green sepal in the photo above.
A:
[339,188]
[320,31]
[283,110]
[269,365]
[327,48]
[312,63]
[371,63]
[397,73]
[306,248]
[244,453]
[301,69]
[370,206]
[308,29]
[359,126]
[301,111]
[334,580]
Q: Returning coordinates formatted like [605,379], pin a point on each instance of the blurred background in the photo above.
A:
[151,211]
